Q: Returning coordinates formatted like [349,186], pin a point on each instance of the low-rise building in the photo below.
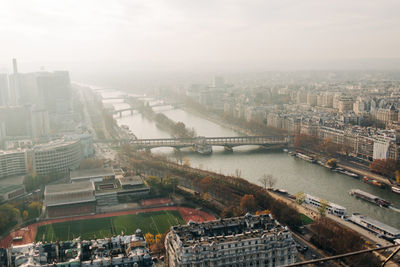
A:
[70,199]
[11,191]
[242,241]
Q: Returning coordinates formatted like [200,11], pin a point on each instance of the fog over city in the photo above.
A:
[178,35]
[199,133]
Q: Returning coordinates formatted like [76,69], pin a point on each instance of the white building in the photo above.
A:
[242,241]
[58,156]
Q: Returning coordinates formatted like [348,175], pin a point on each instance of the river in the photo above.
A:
[291,173]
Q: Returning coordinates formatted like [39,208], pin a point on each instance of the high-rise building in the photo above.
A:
[219,82]
[17,120]
[3,89]
[55,91]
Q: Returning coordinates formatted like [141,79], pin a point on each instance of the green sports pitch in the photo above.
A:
[150,222]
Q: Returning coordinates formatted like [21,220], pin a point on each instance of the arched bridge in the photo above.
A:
[227,142]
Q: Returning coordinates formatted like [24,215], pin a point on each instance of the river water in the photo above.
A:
[291,173]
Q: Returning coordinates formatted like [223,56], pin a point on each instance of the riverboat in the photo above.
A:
[332,208]
[351,174]
[306,158]
[396,189]
[291,153]
[373,182]
[379,228]
[370,197]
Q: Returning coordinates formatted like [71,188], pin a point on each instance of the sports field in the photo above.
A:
[150,222]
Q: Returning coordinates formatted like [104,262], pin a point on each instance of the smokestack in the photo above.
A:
[15,66]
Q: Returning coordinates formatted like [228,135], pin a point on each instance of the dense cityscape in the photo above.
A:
[199,134]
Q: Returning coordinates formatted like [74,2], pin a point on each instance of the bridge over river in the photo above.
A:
[204,144]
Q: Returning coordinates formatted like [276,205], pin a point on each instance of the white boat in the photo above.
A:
[306,158]
[396,189]
[354,175]
[332,208]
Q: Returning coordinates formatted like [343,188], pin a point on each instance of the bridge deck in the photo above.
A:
[217,141]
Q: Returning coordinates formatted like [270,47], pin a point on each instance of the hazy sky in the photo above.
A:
[176,34]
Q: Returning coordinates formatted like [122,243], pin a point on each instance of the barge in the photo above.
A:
[379,228]
[306,158]
[370,197]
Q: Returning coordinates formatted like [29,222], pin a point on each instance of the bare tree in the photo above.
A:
[238,173]
[267,181]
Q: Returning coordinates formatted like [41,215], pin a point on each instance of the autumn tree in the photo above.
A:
[248,203]
[300,197]
[386,167]
[305,141]
[324,204]
[149,238]
[206,183]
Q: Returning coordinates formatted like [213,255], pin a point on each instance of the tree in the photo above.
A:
[267,180]
[25,214]
[206,183]
[149,239]
[238,173]
[300,197]
[186,162]
[248,203]
[324,204]
[34,209]
[386,167]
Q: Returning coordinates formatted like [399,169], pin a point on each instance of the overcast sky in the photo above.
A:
[175,34]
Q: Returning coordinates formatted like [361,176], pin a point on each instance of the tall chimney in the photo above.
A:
[15,66]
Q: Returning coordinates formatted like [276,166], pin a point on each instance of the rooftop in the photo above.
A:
[66,188]
[5,189]
[91,173]
[225,230]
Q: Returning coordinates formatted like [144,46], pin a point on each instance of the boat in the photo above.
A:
[291,153]
[306,158]
[379,228]
[396,189]
[370,197]
[373,182]
[203,149]
[332,208]
[351,174]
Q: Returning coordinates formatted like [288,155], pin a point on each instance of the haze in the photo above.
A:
[200,35]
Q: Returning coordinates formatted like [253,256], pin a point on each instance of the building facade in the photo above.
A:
[13,163]
[60,156]
[242,241]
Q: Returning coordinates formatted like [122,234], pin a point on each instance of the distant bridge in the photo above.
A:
[119,111]
[227,142]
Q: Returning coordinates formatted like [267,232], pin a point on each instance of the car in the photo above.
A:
[313,256]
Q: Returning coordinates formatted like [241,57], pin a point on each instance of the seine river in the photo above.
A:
[292,174]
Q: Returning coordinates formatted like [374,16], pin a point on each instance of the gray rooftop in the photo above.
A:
[5,189]
[66,188]
[91,173]
[132,180]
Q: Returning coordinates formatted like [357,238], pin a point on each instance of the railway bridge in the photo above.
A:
[205,143]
